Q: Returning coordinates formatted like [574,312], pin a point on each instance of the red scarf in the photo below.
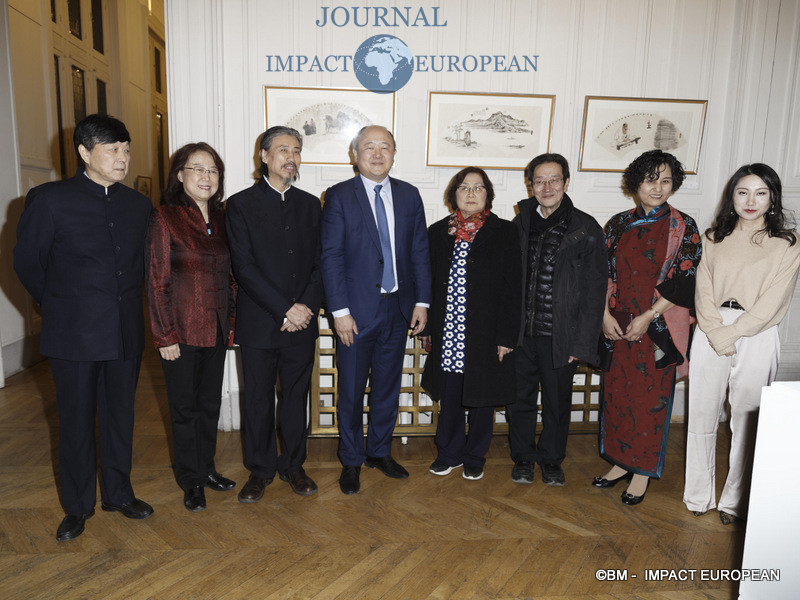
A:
[466,228]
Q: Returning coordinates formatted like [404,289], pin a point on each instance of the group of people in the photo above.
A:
[505,309]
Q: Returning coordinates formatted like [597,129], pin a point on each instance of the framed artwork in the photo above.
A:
[617,130]
[492,131]
[328,118]
[143,185]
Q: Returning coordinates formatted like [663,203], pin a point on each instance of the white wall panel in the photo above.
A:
[740,55]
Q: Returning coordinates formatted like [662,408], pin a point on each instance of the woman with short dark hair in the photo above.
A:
[474,321]
[191,292]
[653,251]
[744,286]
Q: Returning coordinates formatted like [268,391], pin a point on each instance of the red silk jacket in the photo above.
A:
[190,286]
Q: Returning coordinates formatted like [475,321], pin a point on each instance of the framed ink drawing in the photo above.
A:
[493,131]
[617,130]
[328,118]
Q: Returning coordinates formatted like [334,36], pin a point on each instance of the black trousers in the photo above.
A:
[89,394]
[455,446]
[262,367]
[534,360]
[194,391]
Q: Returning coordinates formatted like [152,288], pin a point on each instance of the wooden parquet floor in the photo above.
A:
[424,537]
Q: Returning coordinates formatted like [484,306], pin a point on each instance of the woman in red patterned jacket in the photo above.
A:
[191,293]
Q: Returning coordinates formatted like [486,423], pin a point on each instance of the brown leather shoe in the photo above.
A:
[301,483]
[253,489]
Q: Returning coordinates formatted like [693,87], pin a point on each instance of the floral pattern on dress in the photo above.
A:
[455,320]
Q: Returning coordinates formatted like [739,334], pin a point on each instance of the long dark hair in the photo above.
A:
[458,179]
[776,223]
[174,195]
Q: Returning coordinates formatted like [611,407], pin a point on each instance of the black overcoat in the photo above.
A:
[494,304]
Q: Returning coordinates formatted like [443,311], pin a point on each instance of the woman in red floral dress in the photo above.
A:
[653,252]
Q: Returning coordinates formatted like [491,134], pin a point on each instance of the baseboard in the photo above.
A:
[21,354]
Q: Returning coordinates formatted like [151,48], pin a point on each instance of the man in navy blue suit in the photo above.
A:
[80,254]
[376,275]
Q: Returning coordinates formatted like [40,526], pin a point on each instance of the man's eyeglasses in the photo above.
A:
[553,182]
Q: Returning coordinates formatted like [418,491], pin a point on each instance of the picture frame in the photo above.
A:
[491,131]
[328,118]
[616,130]
[143,185]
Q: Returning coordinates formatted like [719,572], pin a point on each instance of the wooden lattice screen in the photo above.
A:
[418,413]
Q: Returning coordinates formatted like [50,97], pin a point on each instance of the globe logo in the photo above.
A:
[383,64]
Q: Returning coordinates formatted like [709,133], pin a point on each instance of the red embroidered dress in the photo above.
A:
[650,255]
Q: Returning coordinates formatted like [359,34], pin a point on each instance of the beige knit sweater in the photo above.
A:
[759,272]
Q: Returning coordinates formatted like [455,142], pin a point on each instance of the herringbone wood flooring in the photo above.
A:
[425,537]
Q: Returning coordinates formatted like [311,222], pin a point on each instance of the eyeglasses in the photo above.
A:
[553,182]
[200,171]
[475,188]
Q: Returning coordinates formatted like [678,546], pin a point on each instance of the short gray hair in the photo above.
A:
[357,138]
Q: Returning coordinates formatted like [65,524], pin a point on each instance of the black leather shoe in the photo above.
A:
[195,498]
[349,480]
[253,489]
[632,500]
[135,509]
[72,526]
[301,483]
[388,466]
[218,483]
[602,482]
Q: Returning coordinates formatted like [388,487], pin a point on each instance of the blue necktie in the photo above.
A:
[387,283]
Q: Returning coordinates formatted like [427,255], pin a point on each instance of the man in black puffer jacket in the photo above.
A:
[565,277]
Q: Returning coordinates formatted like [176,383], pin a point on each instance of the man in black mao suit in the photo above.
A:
[273,232]
[376,270]
[80,254]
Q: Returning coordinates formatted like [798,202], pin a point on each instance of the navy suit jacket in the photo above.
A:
[352,261]
[80,254]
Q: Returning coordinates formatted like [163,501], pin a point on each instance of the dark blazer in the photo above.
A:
[351,250]
[190,287]
[80,254]
[275,253]
[494,304]
[580,282]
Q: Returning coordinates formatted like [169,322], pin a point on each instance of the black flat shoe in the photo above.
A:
[726,518]
[218,483]
[602,482]
[72,526]
[194,499]
[632,500]
[135,509]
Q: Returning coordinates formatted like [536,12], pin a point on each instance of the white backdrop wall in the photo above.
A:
[741,55]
